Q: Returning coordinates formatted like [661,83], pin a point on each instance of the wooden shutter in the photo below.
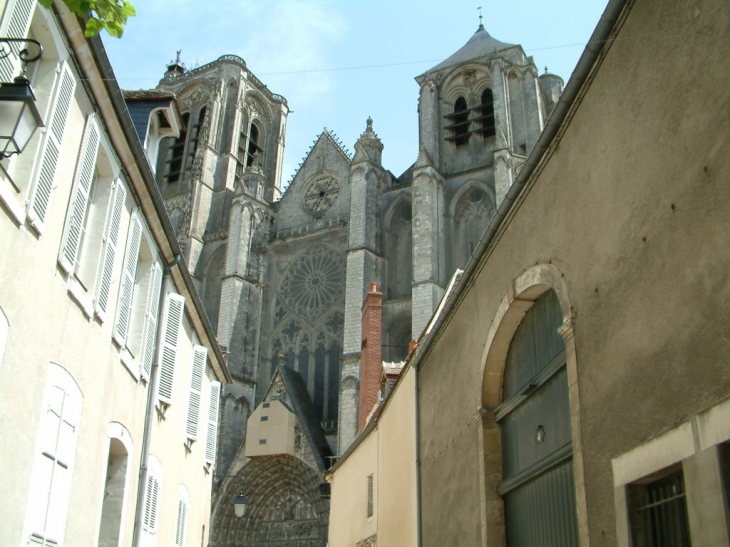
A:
[181,523]
[51,149]
[18,15]
[200,355]
[172,321]
[152,496]
[151,310]
[111,240]
[80,197]
[126,289]
[212,436]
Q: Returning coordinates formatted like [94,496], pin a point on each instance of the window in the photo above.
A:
[26,180]
[194,138]
[211,440]
[152,495]
[370,496]
[200,356]
[460,125]
[53,464]
[135,327]
[181,521]
[91,234]
[171,324]
[486,117]
[659,511]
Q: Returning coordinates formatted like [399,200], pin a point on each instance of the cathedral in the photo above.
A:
[282,273]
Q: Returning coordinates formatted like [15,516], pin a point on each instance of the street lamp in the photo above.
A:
[239,504]
[19,116]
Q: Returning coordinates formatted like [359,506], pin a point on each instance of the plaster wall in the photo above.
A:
[630,209]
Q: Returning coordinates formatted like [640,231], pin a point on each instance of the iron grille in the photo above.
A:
[663,514]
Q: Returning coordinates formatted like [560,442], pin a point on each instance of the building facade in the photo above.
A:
[110,371]
[283,274]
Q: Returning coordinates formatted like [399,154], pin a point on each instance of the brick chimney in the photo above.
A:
[370,356]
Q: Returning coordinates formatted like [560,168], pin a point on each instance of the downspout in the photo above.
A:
[419,531]
[151,391]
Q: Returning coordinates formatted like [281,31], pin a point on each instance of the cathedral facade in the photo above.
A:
[283,274]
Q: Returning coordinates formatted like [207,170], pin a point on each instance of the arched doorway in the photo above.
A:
[537,485]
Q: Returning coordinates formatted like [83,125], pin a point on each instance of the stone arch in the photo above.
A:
[284,505]
[519,299]
[465,81]
[471,210]
[255,101]
[399,248]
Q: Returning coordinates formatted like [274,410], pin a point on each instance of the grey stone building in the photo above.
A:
[283,275]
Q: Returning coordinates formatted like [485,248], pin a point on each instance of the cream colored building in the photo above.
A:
[109,369]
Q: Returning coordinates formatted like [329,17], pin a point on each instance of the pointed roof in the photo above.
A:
[301,404]
[480,44]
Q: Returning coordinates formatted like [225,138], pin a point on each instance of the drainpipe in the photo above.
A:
[151,390]
[419,531]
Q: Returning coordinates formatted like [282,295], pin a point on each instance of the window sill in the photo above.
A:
[10,201]
[80,296]
[128,361]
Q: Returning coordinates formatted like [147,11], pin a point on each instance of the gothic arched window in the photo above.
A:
[194,138]
[537,452]
[487,114]
[229,116]
[471,216]
[253,145]
[400,251]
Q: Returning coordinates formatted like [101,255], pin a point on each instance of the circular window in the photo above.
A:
[321,193]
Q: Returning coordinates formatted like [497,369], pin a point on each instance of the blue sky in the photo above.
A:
[339,62]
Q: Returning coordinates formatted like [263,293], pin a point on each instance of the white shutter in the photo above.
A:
[80,196]
[15,24]
[172,321]
[212,436]
[181,523]
[200,355]
[114,221]
[152,496]
[126,288]
[51,149]
[151,310]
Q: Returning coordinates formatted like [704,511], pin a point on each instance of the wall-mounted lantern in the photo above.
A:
[19,116]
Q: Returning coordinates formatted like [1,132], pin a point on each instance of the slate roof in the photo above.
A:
[301,403]
[479,45]
[146,95]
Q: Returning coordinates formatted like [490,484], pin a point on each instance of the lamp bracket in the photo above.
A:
[23,54]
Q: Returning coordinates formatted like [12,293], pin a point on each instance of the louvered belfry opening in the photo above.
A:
[460,123]
[537,453]
[253,144]
[486,118]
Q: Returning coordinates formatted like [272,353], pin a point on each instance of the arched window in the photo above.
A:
[471,216]
[460,125]
[253,144]
[120,446]
[537,453]
[399,251]
[487,114]
[177,151]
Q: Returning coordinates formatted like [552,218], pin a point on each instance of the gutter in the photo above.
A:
[559,118]
[108,100]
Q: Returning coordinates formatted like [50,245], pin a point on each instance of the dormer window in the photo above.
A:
[487,114]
